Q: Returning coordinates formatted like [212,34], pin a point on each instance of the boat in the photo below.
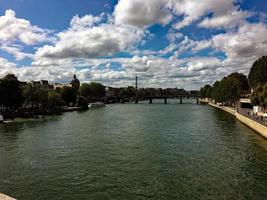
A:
[96,105]
[1,119]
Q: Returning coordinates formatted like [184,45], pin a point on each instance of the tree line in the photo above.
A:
[16,95]
[231,88]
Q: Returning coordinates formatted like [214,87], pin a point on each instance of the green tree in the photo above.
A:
[206,91]
[35,95]
[242,81]
[258,72]
[82,102]
[98,90]
[85,90]
[69,95]
[259,96]
[230,88]
[11,95]
[54,99]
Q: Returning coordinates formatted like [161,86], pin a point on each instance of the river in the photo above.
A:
[129,151]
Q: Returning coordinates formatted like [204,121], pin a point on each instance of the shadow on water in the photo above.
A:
[20,124]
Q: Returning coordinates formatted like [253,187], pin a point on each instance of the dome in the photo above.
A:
[75,82]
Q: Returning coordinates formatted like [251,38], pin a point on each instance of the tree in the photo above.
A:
[69,95]
[85,90]
[242,81]
[11,96]
[206,91]
[98,90]
[230,88]
[259,96]
[93,91]
[35,95]
[54,99]
[82,102]
[258,72]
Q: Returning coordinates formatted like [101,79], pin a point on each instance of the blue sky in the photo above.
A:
[167,43]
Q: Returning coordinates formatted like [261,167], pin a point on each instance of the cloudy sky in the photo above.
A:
[166,43]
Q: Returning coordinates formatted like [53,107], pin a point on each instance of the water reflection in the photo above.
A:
[133,151]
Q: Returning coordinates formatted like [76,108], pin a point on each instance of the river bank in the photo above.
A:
[259,128]
[5,197]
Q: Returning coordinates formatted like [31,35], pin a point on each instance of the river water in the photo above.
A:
[133,151]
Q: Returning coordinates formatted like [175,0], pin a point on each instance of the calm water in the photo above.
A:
[140,151]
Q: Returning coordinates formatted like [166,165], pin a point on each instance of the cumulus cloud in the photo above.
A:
[250,40]
[225,12]
[85,21]
[6,67]
[142,13]
[16,51]
[89,47]
[12,29]
[106,39]
[225,21]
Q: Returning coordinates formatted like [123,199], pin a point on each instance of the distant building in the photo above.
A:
[75,83]
[46,84]
[22,83]
[43,83]
[36,83]
[245,103]
[60,85]
[194,93]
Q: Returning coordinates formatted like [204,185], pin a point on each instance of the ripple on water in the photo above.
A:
[131,151]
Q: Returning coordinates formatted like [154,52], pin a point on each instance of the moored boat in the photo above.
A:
[1,119]
[96,105]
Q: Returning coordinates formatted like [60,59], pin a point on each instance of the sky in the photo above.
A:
[166,43]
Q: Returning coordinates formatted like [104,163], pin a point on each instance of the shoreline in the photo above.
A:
[259,128]
[5,197]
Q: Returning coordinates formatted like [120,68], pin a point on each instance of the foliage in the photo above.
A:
[85,90]
[227,90]
[258,72]
[54,99]
[97,89]
[35,95]
[10,92]
[206,91]
[82,102]
[93,91]
[128,92]
[259,96]
[69,95]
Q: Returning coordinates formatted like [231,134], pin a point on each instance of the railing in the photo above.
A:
[248,113]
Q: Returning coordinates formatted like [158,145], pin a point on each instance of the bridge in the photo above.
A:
[166,97]
[165,94]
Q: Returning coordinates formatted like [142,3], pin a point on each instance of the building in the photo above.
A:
[75,83]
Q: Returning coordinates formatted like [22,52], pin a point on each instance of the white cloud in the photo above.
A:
[226,21]
[12,29]
[16,51]
[85,21]
[6,67]
[250,40]
[225,12]
[89,45]
[105,39]
[142,13]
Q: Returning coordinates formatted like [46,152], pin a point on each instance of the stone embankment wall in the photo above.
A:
[259,128]
[5,197]
[252,124]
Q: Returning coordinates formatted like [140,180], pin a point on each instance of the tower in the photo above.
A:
[136,86]
[75,83]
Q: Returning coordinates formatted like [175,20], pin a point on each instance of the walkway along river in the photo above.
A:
[134,151]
